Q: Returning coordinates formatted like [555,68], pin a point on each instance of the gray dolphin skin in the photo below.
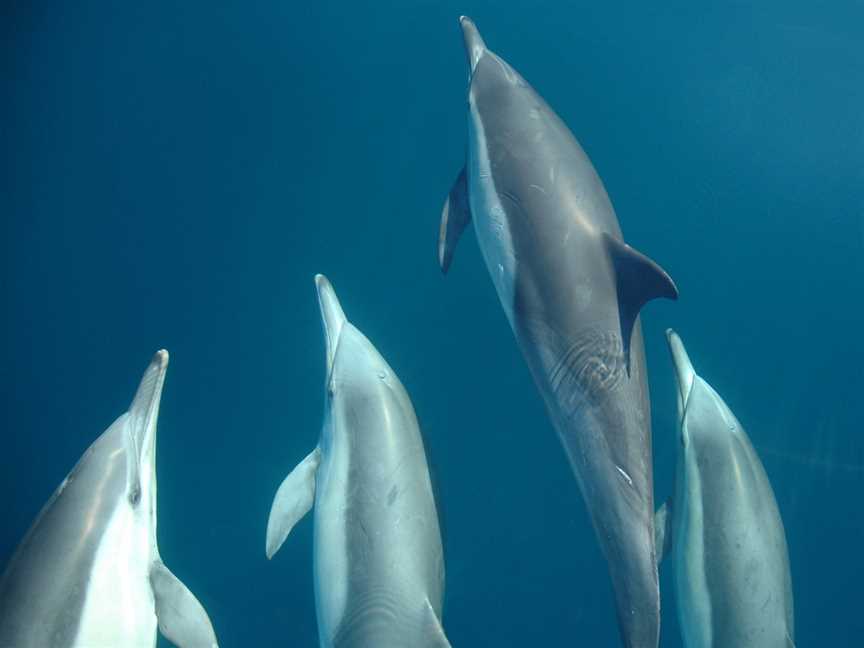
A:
[88,573]
[378,559]
[572,291]
[732,579]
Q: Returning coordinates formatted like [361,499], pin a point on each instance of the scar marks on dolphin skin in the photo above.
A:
[624,474]
[592,367]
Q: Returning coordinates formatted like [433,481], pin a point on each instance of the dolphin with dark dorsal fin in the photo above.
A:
[723,527]
[378,558]
[88,573]
[572,290]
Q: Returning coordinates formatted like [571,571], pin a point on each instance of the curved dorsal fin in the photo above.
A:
[639,280]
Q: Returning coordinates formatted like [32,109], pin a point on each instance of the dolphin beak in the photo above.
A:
[144,411]
[474,45]
[683,369]
[145,405]
[332,316]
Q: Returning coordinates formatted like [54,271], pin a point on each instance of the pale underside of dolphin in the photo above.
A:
[572,290]
[88,572]
[723,527]
[378,559]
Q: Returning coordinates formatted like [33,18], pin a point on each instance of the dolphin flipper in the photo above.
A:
[293,500]
[182,619]
[454,219]
[663,539]
[434,633]
[639,280]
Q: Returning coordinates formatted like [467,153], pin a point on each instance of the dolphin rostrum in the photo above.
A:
[88,573]
[572,291]
[732,579]
[378,559]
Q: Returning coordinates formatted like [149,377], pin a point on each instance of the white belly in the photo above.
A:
[490,219]
[119,609]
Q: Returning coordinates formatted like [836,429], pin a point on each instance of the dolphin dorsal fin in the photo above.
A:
[182,619]
[639,280]
[454,219]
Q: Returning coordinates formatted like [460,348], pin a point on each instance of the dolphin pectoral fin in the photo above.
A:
[293,500]
[663,539]
[639,280]
[433,636]
[182,619]
[454,218]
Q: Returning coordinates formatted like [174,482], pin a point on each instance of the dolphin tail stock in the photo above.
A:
[140,422]
[434,636]
[293,499]
[638,280]
[455,217]
[182,619]
[663,538]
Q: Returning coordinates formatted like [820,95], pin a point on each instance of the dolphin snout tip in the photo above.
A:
[160,358]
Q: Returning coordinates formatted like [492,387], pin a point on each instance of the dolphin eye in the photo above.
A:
[135,495]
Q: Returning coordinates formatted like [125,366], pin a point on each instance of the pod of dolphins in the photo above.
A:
[88,572]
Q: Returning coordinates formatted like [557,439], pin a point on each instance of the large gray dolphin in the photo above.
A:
[88,573]
[572,290]
[378,560]
[732,576]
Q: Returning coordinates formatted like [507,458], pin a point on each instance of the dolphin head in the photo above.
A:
[484,65]
[140,436]
[475,48]
[351,357]
[704,418]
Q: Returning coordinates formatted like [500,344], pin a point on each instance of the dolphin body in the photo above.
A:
[378,559]
[572,291]
[88,573]
[723,527]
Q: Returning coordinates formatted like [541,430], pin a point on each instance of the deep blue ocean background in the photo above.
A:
[174,174]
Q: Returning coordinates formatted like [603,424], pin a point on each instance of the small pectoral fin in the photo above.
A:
[293,500]
[639,280]
[182,619]
[663,539]
[454,218]
[433,634]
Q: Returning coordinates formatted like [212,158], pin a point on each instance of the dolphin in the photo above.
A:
[723,527]
[378,559]
[88,573]
[572,290]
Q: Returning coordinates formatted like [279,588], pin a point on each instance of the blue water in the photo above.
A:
[175,173]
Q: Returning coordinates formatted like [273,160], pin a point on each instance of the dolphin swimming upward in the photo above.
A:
[572,290]
[378,560]
[732,576]
[88,573]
